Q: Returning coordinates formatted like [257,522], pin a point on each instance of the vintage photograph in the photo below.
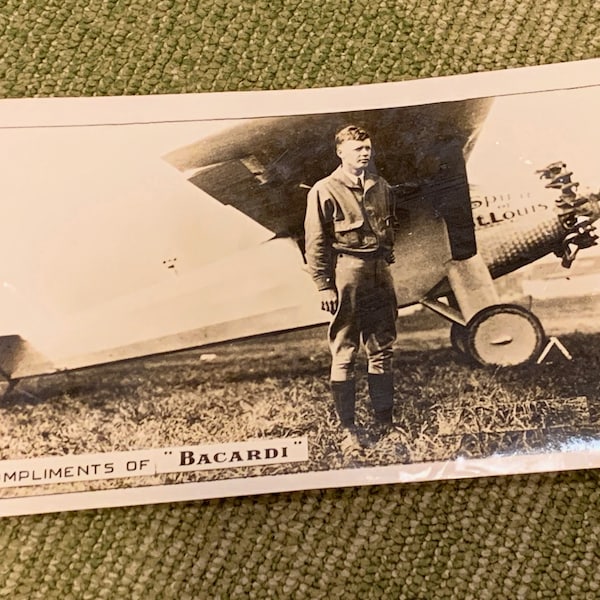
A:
[197,307]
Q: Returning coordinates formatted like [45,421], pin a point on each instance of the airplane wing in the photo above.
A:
[264,167]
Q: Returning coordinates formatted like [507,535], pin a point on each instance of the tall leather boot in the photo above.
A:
[344,397]
[381,391]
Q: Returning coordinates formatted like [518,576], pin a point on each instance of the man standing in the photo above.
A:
[349,247]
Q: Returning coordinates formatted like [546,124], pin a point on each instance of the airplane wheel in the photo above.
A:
[504,335]
[458,338]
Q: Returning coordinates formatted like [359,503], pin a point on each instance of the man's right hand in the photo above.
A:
[329,300]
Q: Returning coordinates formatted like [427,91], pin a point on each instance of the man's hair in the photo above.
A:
[351,132]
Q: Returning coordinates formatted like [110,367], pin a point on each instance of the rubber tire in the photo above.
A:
[519,336]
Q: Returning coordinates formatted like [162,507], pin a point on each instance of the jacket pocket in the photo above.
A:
[350,239]
[347,224]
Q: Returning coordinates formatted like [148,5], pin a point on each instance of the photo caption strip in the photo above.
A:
[156,461]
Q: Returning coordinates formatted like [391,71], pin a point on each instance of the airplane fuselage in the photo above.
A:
[512,229]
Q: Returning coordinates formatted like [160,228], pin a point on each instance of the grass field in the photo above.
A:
[277,386]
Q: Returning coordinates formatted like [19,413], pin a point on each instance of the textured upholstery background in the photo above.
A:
[512,537]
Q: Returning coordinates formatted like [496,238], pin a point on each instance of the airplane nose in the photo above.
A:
[594,206]
[577,212]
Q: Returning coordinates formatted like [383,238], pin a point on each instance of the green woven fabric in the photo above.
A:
[513,537]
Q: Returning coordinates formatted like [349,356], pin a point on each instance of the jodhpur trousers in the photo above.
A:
[366,312]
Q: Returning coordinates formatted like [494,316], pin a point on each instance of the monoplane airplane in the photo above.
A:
[451,243]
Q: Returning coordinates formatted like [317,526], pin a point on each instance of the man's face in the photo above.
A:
[355,154]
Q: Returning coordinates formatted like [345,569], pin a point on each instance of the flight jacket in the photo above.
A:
[341,218]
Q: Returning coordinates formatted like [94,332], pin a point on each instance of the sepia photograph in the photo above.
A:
[205,296]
